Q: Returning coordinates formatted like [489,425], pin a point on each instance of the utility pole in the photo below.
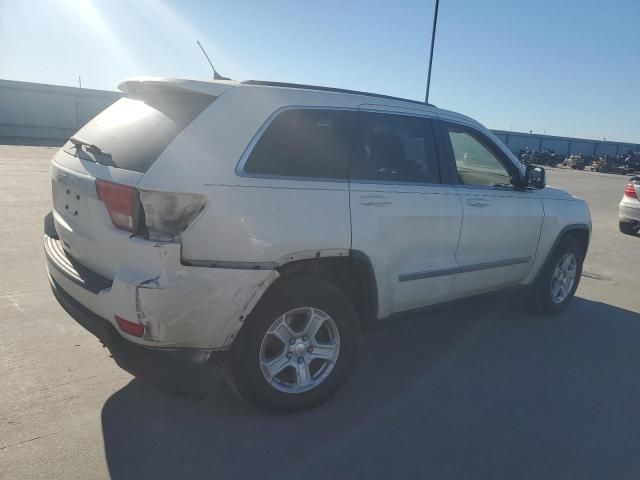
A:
[433,40]
[79,81]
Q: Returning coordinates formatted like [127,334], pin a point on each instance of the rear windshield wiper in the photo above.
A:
[91,147]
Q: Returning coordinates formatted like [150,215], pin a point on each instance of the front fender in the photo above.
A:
[561,216]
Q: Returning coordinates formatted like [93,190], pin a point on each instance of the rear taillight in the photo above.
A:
[167,214]
[131,328]
[122,204]
[630,191]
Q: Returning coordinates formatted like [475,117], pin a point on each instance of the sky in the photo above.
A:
[568,68]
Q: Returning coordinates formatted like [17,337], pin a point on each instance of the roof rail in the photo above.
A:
[330,89]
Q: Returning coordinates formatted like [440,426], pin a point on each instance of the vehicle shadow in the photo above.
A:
[422,383]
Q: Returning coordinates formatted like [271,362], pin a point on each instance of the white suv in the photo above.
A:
[262,226]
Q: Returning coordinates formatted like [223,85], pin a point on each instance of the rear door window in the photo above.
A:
[394,148]
[307,143]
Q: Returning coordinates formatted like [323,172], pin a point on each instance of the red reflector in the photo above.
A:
[131,328]
[629,191]
[119,202]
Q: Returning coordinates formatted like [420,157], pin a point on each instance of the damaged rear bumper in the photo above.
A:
[189,369]
[179,306]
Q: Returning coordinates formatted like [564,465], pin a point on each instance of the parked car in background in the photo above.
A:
[629,208]
[263,226]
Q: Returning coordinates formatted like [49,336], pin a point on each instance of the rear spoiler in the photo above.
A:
[142,86]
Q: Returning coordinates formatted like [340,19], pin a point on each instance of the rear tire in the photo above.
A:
[627,228]
[554,289]
[278,323]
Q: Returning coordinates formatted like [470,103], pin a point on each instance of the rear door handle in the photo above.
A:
[374,200]
[478,202]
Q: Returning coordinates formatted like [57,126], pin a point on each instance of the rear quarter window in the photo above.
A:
[312,143]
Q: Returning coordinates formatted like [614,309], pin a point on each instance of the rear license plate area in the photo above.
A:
[68,197]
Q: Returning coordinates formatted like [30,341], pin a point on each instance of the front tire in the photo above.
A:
[557,284]
[297,347]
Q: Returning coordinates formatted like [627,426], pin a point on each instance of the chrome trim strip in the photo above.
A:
[355,182]
[496,264]
[401,111]
[405,277]
[230,265]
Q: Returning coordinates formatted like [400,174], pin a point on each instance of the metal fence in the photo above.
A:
[518,141]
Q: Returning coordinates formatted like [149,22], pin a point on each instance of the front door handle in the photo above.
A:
[374,200]
[477,202]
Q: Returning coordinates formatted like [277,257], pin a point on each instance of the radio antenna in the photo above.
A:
[433,41]
[216,75]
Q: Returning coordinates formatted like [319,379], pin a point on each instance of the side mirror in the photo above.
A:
[535,176]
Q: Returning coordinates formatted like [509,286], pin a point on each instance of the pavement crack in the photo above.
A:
[595,276]
[75,380]
[29,440]
[10,294]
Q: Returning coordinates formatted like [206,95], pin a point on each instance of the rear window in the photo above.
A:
[311,143]
[131,134]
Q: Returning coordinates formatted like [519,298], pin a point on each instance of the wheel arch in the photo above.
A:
[580,231]
[353,273]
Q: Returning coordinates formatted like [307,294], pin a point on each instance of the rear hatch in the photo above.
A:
[115,149]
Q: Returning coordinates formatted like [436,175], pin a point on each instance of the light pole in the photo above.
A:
[433,40]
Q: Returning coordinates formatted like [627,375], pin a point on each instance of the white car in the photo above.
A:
[262,226]
[629,208]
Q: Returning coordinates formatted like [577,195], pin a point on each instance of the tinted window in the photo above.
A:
[394,148]
[475,162]
[131,134]
[305,143]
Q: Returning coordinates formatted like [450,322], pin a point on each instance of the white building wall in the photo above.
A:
[32,111]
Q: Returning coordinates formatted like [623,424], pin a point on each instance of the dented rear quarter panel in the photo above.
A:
[202,309]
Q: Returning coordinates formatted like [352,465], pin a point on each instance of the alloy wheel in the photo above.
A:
[564,277]
[299,350]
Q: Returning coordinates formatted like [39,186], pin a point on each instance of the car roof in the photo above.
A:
[396,101]
[318,88]
[217,87]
